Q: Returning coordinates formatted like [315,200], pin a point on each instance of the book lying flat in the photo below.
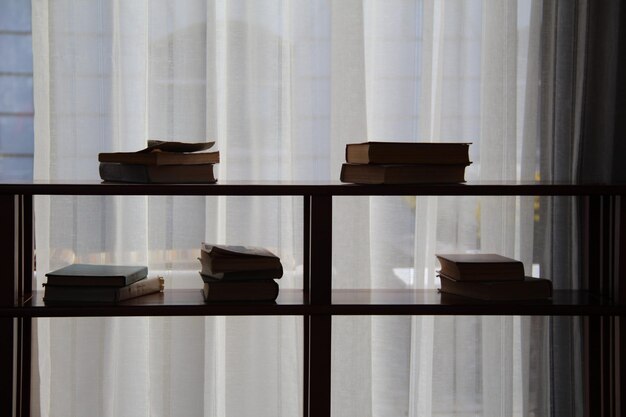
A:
[218,259]
[257,290]
[97,275]
[528,289]
[158,174]
[402,174]
[160,158]
[208,275]
[480,267]
[84,294]
[407,153]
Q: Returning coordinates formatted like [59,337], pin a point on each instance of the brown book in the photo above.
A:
[257,290]
[480,267]
[221,259]
[161,158]
[158,174]
[527,289]
[408,153]
[402,174]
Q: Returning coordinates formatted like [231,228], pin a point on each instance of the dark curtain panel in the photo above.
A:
[581,136]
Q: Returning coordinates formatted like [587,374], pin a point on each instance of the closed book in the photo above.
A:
[97,275]
[402,174]
[85,294]
[480,267]
[158,174]
[256,290]
[408,153]
[160,158]
[528,289]
[208,275]
[218,259]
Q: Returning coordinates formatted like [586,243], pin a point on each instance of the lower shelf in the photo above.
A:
[345,302]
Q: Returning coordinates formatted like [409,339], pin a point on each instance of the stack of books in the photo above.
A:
[490,276]
[161,162]
[239,273]
[86,283]
[405,162]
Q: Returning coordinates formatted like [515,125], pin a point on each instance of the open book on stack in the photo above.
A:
[161,162]
[239,273]
[405,162]
[489,276]
[87,283]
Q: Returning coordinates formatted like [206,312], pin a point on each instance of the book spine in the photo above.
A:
[139,288]
[124,173]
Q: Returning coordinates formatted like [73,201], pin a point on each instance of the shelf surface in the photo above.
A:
[345,302]
[298,188]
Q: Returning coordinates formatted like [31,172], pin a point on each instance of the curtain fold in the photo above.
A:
[282,86]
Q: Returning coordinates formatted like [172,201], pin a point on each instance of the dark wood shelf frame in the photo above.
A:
[601,303]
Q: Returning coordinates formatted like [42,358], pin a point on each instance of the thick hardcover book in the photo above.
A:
[158,174]
[402,174]
[160,158]
[528,289]
[83,294]
[480,267]
[256,290]
[208,275]
[408,153]
[218,259]
[97,275]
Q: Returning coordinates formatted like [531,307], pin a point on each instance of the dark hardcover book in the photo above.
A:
[160,158]
[86,294]
[208,275]
[402,174]
[408,153]
[219,259]
[480,267]
[97,275]
[158,174]
[528,289]
[256,290]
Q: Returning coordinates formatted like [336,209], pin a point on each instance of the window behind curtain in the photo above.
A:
[16,90]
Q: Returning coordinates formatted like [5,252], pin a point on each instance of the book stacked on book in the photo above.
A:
[161,162]
[405,162]
[239,273]
[490,276]
[86,283]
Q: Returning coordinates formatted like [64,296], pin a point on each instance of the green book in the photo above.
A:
[89,294]
[97,275]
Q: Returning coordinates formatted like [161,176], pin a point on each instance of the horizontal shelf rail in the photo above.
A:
[300,188]
[344,302]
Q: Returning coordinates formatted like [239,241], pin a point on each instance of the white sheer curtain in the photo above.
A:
[282,86]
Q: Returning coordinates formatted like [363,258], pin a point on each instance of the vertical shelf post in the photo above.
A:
[318,350]
[16,218]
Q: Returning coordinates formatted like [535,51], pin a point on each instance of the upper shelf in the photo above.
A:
[300,188]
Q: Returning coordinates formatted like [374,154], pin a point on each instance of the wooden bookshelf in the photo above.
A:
[602,302]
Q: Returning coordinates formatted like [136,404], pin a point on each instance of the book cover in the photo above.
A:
[407,153]
[402,174]
[160,158]
[257,290]
[86,294]
[97,275]
[480,267]
[173,146]
[157,174]
[528,289]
